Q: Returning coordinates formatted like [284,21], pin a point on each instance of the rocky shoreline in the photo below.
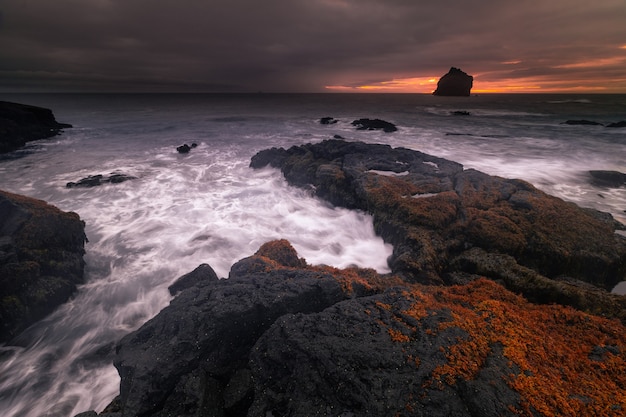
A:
[497,304]
[22,123]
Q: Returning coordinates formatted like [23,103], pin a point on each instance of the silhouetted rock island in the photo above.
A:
[21,123]
[41,260]
[497,305]
[454,83]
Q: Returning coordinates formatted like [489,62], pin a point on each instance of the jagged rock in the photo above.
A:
[431,210]
[328,120]
[582,122]
[41,260]
[608,178]
[21,123]
[186,148]
[99,179]
[454,83]
[297,341]
[374,124]
[202,273]
[617,124]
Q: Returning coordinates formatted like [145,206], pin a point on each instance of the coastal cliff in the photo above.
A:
[22,123]
[497,304]
[41,260]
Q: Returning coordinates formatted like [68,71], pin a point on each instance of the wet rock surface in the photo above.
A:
[496,306]
[21,123]
[100,179]
[302,340]
[41,260]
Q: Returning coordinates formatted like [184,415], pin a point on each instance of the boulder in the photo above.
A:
[454,83]
[21,123]
[432,211]
[280,340]
[186,148]
[41,260]
[374,124]
[606,178]
[328,120]
[99,179]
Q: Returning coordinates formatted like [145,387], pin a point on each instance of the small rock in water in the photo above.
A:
[374,124]
[328,120]
[99,179]
[617,124]
[607,178]
[582,122]
[183,148]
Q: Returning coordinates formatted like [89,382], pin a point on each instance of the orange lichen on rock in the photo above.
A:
[562,361]
[282,252]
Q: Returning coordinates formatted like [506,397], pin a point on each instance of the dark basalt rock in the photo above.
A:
[186,148]
[374,124]
[608,178]
[582,123]
[617,124]
[281,340]
[21,123]
[41,260]
[460,113]
[99,179]
[328,120]
[431,211]
[454,83]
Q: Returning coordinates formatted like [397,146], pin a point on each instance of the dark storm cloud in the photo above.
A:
[296,45]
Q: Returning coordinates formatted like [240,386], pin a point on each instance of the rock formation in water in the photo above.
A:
[99,179]
[41,260]
[446,333]
[454,83]
[374,124]
[21,123]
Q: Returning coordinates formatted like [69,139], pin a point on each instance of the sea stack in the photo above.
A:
[454,83]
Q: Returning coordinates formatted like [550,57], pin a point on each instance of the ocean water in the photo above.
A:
[209,207]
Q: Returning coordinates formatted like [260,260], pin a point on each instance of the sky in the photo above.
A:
[404,46]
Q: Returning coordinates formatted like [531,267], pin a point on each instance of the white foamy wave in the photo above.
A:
[145,233]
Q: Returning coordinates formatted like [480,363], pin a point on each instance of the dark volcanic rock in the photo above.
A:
[617,124]
[277,340]
[454,83]
[99,179]
[328,120]
[582,122]
[608,178]
[186,148]
[203,338]
[41,260]
[21,123]
[432,211]
[374,124]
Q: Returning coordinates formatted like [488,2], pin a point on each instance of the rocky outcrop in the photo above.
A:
[374,124]
[280,337]
[607,178]
[184,148]
[454,83]
[99,179]
[433,211]
[21,123]
[581,122]
[41,260]
[621,123]
[283,338]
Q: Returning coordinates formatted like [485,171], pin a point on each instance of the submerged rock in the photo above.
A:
[186,148]
[374,124]
[328,120]
[605,178]
[41,260]
[617,124]
[21,123]
[99,179]
[454,83]
[582,122]
[280,340]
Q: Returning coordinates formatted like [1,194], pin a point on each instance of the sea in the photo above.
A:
[208,206]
